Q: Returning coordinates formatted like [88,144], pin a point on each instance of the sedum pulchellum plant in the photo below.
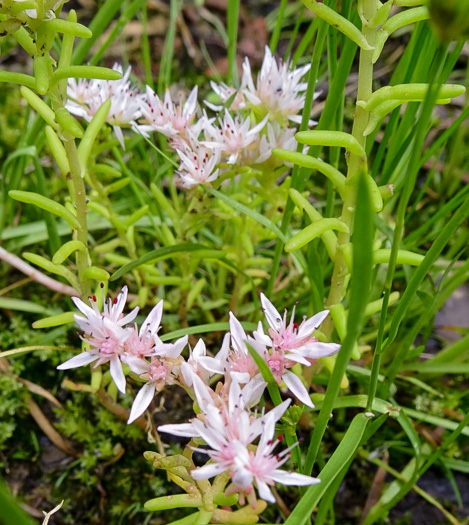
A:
[225,420]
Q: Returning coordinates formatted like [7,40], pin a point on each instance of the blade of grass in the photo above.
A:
[278,26]
[360,285]
[232,16]
[163,253]
[127,15]
[98,25]
[164,79]
[204,328]
[412,171]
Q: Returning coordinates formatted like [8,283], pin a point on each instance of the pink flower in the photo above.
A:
[165,116]
[293,339]
[276,137]
[262,467]
[161,370]
[104,332]
[198,162]
[87,97]
[234,135]
[141,342]
[278,90]
[194,365]
[228,433]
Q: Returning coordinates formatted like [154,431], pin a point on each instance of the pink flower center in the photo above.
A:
[277,363]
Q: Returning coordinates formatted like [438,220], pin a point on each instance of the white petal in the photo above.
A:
[261,337]
[212,364]
[152,322]
[241,377]
[84,308]
[213,438]
[136,364]
[182,430]
[293,478]
[242,478]
[119,135]
[202,393]
[264,491]
[117,373]
[129,317]
[309,326]
[271,314]
[297,388]
[253,390]
[186,371]
[317,349]
[199,350]
[298,358]
[142,401]
[82,359]
[238,335]
[208,471]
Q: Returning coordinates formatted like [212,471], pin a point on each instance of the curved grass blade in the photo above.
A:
[204,328]
[164,252]
[359,291]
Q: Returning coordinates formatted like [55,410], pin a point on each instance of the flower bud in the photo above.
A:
[450,18]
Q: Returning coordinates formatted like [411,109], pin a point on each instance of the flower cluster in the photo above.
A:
[229,429]
[226,422]
[260,117]
[110,338]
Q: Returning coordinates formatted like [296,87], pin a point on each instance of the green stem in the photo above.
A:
[79,199]
[356,164]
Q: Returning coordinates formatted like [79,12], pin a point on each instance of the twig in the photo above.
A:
[36,275]
[48,429]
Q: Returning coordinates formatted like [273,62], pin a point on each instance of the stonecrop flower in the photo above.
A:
[165,116]
[86,97]
[230,430]
[113,339]
[105,333]
[233,136]
[162,369]
[198,163]
[278,89]
[292,338]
